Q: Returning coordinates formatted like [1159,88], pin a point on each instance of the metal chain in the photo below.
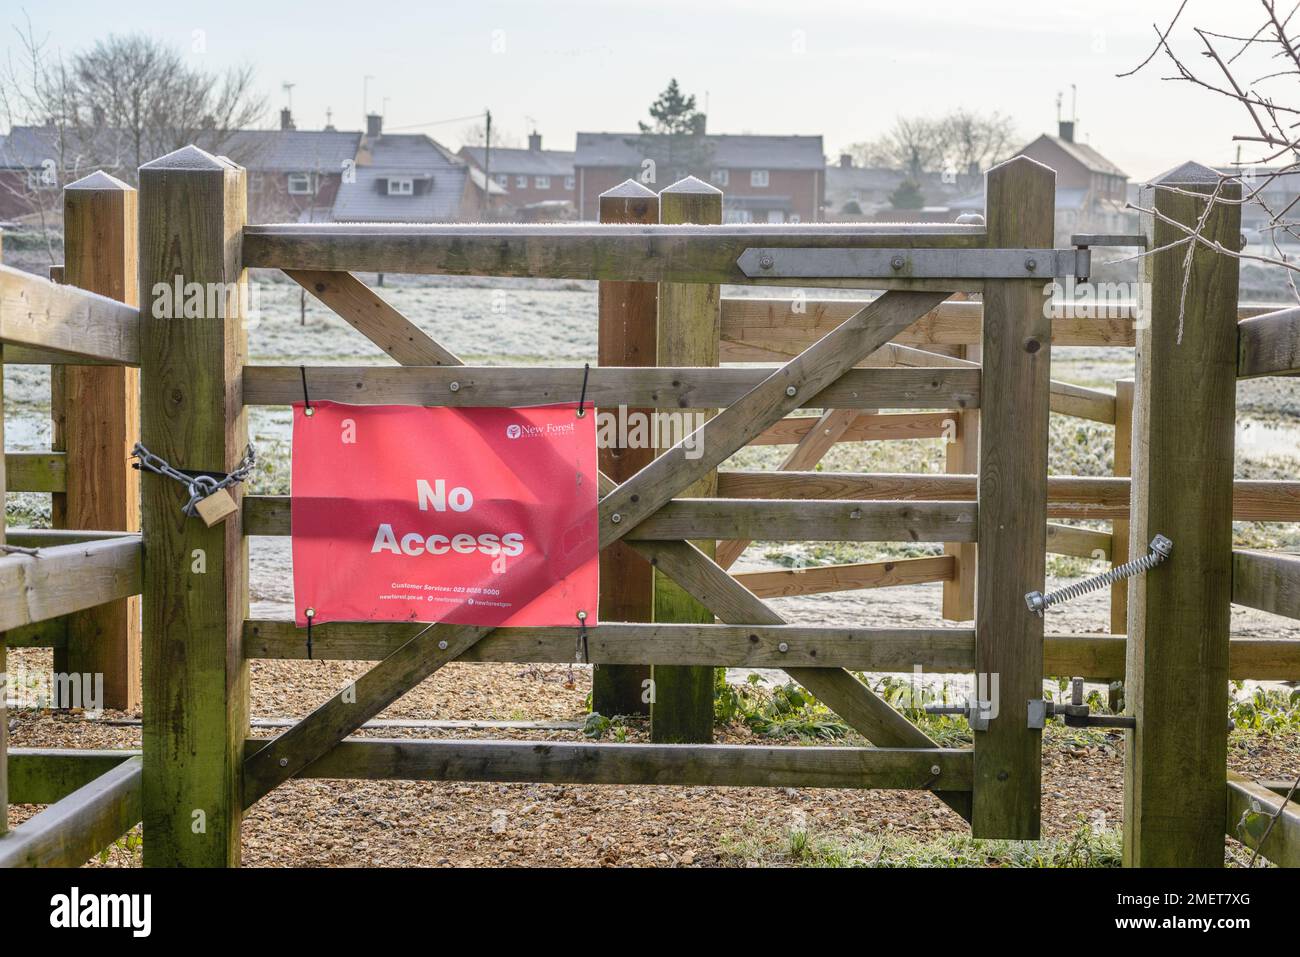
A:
[199,486]
[1161,548]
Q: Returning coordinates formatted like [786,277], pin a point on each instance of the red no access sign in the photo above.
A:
[468,515]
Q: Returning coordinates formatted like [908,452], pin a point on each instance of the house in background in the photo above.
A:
[856,193]
[410,178]
[1091,191]
[293,175]
[764,179]
[539,183]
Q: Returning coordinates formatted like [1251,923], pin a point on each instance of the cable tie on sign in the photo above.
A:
[583,657]
[586,370]
[310,613]
[307,410]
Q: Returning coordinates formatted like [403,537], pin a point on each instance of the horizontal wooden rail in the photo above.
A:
[867,427]
[71,831]
[51,537]
[1269,344]
[1268,581]
[789,326]
[691,765]
[51,633]
[67,578]
[822,579]
[766,520]
[1078,542]
[36,471]
[1068,496]
[630,252]
[47,775]
[37,313]
[1254,802]
[757,328]
[939,650]
[756,646]
[635,387]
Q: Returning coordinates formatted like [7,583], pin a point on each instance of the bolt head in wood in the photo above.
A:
[783,647]
[442,645]
[455,387]
[616,518]
[790,391]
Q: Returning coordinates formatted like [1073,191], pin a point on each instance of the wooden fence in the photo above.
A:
[977,373]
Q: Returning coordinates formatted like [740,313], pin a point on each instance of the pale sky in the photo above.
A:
[839,68]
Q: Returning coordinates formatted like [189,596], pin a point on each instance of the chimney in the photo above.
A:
[1067,130]
[846,161]
[286,120]
[534,142]
[374,125]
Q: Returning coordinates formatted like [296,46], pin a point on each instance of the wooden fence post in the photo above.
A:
[100,411]
[628,316]
[192,212]
[1185,413]
[962,458]
[690,334]
[1012,492]
[1119,527]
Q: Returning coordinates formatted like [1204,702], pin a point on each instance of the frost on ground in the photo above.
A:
[498,322]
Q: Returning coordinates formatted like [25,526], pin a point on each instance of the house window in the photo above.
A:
[401,186]
[775,216]
[758,177]
[300,184]
[719,177]
[503,180]
[794,218]
[521,182]
[42,178]
[542,182]
[738,216]
[568,183]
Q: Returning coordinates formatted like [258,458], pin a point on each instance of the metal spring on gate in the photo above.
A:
[1161,548]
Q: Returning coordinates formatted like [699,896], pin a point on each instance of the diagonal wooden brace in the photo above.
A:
[787,388]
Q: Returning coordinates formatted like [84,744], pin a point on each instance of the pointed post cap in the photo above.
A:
[692,184]
[628,189]
[99,180]
[189,158]
[1189,176]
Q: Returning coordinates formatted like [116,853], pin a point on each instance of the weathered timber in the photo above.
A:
[35,471]
[35,312]
[1249,805]
[631,252]
[67,578]
[1178,631]
[659,388]
[47,775]
[1016,354]
[69,832]
[626,335]
[101,423]
[192,209]
[687,334]
[374,317]
[1269,344]
[1269,581]
[821,579]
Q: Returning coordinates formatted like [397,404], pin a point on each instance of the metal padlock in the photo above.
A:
[217,507]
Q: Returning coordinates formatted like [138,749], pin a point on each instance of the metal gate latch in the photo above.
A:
[1161,547]
[1076,714]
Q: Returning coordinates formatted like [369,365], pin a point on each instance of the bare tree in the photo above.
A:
[1256,68]
[139,100]
[959,142]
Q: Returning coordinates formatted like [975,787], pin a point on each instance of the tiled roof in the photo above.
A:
[1092,160]
[290,151]
[414,155]
[729,151]
[524,162]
